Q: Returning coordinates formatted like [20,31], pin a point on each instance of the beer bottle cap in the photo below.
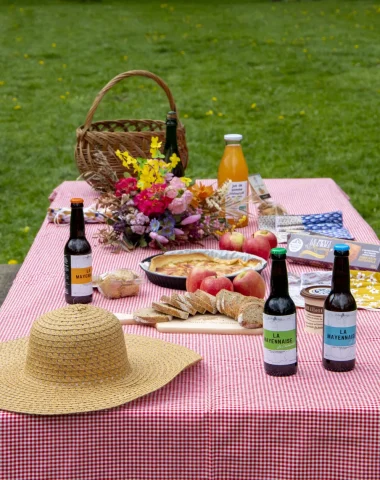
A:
[278,252]
[341,247]
[76,200]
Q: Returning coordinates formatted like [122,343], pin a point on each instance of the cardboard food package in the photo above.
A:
[318,251]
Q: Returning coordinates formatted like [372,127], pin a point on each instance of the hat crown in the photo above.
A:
[77,344]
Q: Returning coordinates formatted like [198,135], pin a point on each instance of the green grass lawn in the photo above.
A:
[300,80]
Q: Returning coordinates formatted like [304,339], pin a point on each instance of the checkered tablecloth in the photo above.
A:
[222,419]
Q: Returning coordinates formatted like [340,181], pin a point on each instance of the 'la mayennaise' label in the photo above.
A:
[78,274]
[339,335]
[280,339]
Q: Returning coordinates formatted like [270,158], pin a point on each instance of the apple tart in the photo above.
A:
[179,265]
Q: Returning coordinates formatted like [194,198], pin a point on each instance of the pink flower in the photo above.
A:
[187,197]
[158,238]
[125,186]
[177,206]
[139,229]
[190,219]
[171,192]
[178,231]
[177,183]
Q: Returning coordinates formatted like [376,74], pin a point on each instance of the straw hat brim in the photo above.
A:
[154,363]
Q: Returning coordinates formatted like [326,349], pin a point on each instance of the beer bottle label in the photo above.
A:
[78,275]
[280,342]
[339,336]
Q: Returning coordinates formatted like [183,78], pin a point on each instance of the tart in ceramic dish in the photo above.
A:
[171,268]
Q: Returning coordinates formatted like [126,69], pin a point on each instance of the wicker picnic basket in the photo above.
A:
[107,136]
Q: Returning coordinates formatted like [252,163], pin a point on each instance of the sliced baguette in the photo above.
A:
[169,310]
[209,301]
[194,301]
[186,305]
[148,316]
[251,315]
[175,302]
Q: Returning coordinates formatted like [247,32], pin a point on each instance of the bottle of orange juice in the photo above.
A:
[234,167]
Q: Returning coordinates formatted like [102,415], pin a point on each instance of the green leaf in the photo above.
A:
[160,155]
[127,175]
[143,243]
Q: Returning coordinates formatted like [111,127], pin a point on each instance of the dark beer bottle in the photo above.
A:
[171,143]
[279,322]
[78,259]
[339,317]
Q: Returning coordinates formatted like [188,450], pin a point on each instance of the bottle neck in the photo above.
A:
[171,136]
[279,279]
[233,143]
[77,223]
[341,275]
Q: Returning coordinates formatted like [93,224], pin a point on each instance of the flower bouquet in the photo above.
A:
[156,209]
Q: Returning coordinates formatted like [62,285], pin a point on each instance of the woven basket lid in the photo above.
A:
[77,359]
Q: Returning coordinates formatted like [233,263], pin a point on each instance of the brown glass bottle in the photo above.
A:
[78,258]
[339,317]
[279,322]
[171,145]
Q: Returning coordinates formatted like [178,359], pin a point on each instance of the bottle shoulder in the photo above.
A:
[279,306]
[340,302]
[77,246]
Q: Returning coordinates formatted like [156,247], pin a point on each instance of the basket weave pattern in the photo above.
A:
[134,136]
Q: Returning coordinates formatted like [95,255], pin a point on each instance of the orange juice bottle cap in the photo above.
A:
[76,200]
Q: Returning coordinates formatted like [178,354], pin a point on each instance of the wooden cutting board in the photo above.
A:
[210,324]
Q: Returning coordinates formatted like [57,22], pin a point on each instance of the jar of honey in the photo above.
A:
[234,167]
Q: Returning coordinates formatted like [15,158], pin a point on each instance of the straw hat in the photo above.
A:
[77,359]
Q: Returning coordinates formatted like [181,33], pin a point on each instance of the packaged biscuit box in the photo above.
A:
[318,251]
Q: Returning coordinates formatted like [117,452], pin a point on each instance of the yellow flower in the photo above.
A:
[25,229]
[281,117]
[254,105]
[59,79]
[17,107]
[125,57]
[14,99]
[67,93]
[199,25]
[174,159]
[302,113]
[214,99]
[41,62]
[12,262]
[182,52]
[53,45]
[210,112]
[186,180]
[324,39]
[62,97]
[127,160]
[26,55]
[220,114]
[305,50]
[186,115]
[64,65]
[356,46]
[2,83]
[154,143]
[164,5]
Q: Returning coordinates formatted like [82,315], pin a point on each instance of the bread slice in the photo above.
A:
[184,302]
[174,302]
[194,301]
[222,299]
[209,301]
[148,316]
[169,310]
[251,314]
[253,300]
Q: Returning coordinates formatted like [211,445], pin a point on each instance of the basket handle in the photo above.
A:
[117,79]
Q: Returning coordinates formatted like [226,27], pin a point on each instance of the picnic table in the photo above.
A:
[221,419]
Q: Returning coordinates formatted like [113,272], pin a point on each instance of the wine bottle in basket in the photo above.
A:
[171,145]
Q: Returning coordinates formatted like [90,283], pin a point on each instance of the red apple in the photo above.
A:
[270,236]
[257,246]
[195,278]
[250,284]
[231,241]
[213,285]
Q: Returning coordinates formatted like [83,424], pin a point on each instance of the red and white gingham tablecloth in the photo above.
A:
[222,419]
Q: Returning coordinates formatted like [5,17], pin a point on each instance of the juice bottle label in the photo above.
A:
[238,192]
[78,275]
[280,339]
[339,335]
